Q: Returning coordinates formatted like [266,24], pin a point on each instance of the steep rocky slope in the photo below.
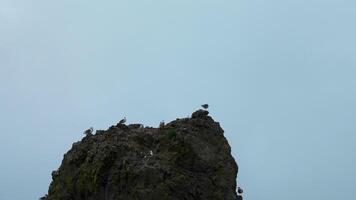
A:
[186,159]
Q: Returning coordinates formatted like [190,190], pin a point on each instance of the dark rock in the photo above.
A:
[55,174]
[121,126]
[189,159]
[200,113]
[135,126]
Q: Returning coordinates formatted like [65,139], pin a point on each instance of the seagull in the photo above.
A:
[205,106]
[239,190]
[122,121]
[88,131]
[161,124]
[44,198]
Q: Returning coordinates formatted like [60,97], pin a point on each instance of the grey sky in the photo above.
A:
[279,76]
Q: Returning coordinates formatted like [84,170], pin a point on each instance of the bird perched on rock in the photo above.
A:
[240,190]
[123,121]
[205,106]
[161,124]
[88,131]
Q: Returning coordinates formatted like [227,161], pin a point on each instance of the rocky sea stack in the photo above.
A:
[186,159]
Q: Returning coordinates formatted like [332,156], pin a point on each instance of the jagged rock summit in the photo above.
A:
[186,159]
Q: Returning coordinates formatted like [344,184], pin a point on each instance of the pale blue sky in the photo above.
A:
[279,76]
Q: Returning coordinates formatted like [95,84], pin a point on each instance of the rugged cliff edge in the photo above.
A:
[186,159]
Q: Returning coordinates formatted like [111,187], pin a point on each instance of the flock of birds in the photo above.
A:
[123,121]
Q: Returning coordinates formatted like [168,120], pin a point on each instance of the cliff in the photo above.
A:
[186,159]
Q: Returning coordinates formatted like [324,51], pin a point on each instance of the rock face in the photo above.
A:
[186,159]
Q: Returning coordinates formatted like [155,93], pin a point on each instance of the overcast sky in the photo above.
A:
[279,76]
